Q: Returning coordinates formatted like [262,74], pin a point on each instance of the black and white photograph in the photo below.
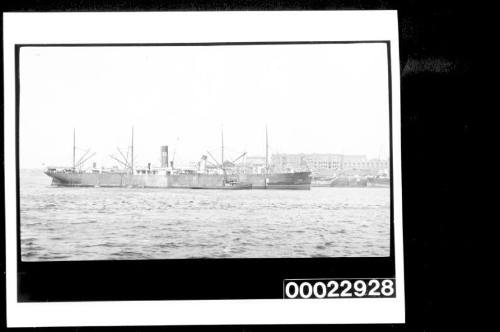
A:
[266,162]
[211,151]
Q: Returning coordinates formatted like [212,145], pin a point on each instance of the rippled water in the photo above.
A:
[120,223]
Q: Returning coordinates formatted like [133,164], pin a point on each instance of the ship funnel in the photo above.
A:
[164,156]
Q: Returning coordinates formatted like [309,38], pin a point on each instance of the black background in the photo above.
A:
[438,88]
[181,279]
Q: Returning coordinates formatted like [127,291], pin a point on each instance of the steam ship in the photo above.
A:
[210,174]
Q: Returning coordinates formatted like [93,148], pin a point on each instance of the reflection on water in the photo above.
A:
[121,223]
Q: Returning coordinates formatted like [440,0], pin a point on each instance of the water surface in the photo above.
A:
[121,223]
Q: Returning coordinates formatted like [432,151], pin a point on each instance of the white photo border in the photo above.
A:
[197,27]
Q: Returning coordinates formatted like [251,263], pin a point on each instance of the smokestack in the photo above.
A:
[164,156]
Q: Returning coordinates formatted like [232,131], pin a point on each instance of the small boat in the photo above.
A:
[232,186]
[349,181]
[379,181]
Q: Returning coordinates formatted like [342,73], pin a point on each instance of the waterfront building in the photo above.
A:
[328,164]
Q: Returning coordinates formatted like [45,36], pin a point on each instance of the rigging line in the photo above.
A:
[211,163]
[83,162]
[83,156]
[121,153]
[121,162]
[216,162]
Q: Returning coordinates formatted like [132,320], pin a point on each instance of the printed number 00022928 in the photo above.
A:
[339,288]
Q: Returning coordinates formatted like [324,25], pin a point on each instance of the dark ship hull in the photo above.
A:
[297,181]
[379,182]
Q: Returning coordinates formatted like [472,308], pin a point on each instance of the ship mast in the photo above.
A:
[222,146]
[267,153]
[267,160]
[132,152]
[74,148]
[222,150]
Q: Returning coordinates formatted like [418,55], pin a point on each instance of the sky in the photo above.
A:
[312,98]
